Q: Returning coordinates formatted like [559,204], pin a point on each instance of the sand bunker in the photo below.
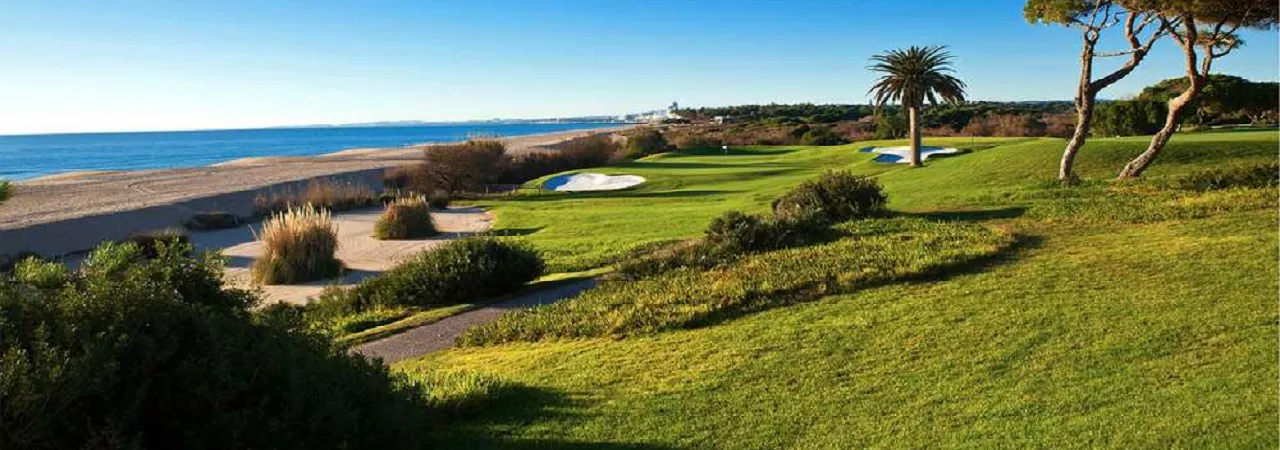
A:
[902,155]
[591,182]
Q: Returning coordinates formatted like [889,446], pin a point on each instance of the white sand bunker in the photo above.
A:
[591,182]
[902,155]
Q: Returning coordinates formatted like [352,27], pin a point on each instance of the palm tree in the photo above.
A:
[911,76]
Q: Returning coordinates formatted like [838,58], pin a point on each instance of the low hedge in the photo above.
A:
[456,272]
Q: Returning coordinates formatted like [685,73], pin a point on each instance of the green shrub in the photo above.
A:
[874,252]
[215,220]
[738,231]
[157,353]
[1261,175]
[644,142]
[439,199]
[835,196]
[458,271]
[149,241]
[298,246]
[4,190]
[405,218]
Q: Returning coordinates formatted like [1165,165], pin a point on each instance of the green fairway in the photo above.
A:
[1127,316]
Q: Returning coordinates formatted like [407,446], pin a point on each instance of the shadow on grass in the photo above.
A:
[970,215]
[490,425]
[733,151]
[772,299]
[515,231]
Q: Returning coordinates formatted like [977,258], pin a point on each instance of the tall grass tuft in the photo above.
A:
[405,218]
[321,193]
[298,245]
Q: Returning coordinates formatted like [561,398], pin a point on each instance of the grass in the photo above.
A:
[1105,329]
[870,252]
[405,218]
[4,190]
[298,246]
[320,193]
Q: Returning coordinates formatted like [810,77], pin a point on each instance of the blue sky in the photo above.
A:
[127,65]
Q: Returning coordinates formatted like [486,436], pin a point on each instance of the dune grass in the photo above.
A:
[298,246]
[1103,329]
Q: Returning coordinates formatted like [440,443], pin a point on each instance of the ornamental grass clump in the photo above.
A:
[405,218]
[298,245]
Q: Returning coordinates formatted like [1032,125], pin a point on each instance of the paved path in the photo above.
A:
[441,335]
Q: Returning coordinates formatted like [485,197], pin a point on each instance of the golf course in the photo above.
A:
[990,306]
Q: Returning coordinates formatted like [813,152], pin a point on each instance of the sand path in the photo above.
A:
[363,255]
[442,334]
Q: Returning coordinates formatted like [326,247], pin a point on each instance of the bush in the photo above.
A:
[157,353]
[216,220]
[644,142]
[698,141]
[836,196]
[1261,175]
[405,218]
[458,271]
[298,246]
[738,231]
[460,167]
[822,136]
[439,199]
[150,241]
[4,190]
[320,193]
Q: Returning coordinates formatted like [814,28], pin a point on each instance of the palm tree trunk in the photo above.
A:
[913,112]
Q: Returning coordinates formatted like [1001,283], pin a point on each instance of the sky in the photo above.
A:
[82,66]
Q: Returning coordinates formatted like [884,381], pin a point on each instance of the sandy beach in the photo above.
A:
[71,212]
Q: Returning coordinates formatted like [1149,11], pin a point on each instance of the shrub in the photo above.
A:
[150,241]
[4,190]
[579,153]
[405,218]
[835,196]
[458,271]
[8,262]
[215,220]
[439,199]
[698,141]
[1260,175]
[298,245]
[157,353]
[320,193]
[822,136]
[644,142]
[738,231]
[459,167]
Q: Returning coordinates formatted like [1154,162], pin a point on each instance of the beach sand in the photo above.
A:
[72,212]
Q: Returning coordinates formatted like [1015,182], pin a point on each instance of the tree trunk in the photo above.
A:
[914,113]
[1135,167]
[1084,119]
[1084,114]
[1196,72]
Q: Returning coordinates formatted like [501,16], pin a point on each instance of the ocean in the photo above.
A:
[30,156]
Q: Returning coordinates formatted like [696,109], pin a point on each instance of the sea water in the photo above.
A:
[29,156]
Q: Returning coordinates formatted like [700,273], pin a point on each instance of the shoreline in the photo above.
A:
[71,212]
[516,144]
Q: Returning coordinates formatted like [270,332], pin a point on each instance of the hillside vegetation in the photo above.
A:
[994,308]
